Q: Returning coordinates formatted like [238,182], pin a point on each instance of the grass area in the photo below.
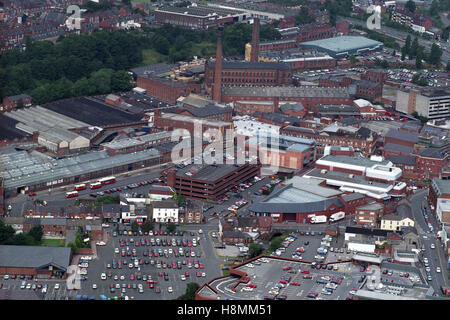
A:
[151,56]
[53,242]
[204,49]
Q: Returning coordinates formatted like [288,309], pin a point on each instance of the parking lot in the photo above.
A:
[122,268]
[290,280]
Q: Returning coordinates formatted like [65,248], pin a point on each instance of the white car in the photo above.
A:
[122,278]
[130,265]
[203,274]
[101,243]
[169,289]
[57,286]
[250,265]
[433,246]
[200,231]
[438,269]
[116,250]
[214,235]
[247,289]
[103,276]
[94,286]
[44,290]
[183,277]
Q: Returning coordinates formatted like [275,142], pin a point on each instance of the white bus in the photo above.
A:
[71,194]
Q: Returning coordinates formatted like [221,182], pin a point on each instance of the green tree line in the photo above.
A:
[79,65]
[8,236]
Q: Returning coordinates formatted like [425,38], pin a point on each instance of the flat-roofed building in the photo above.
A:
[433,103]
[209,182]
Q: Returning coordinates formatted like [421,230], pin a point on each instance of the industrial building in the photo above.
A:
[198,17]
[344,46]
[23,172]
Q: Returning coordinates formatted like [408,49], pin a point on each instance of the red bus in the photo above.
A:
[71,194]
[96,185]
[79,187]
[107,180]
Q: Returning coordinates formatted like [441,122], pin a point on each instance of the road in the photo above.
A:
[436,257]
[397,34]
[58,196]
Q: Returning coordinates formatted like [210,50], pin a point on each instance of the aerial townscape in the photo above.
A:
[224,150]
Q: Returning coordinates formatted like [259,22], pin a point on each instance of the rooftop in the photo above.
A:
[208,173]
[34,256]
[285,92]
[343,44]
[403,135]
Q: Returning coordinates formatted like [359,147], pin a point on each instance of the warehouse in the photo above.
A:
[41,262]
[344,46]
[92,112]
[23,172]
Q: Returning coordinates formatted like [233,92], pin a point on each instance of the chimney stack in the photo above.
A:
[217,88]
[254,54]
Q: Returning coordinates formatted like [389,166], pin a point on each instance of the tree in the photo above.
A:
[419,63]
[448,66]
[414,47]
[170,227]
[254,250]
[134,227]
[435,55]
[353,59]
[36,233]
[407,45]
[410,5]
[275,243]
[147,226]
[303,17]
[190,291]
[121,81]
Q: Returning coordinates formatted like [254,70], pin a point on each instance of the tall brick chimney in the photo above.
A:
[255,41]
[217,88]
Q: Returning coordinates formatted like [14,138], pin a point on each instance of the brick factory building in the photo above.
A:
[167,89]
[198,17]
[209,182]
[170,121]
[361,139]
[240,73]
[308,96]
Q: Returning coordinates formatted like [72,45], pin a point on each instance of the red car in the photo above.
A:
[32,194]
[295,283]
[198,274]
[13,276]
[307,276]
[186,274]
[160,274]
[283,282]
[305,271]
[287,268]
[132,277]
[251,285]
[151,285]
[301,250]
[157,289]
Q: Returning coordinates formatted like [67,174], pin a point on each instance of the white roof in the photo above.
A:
[362,103]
